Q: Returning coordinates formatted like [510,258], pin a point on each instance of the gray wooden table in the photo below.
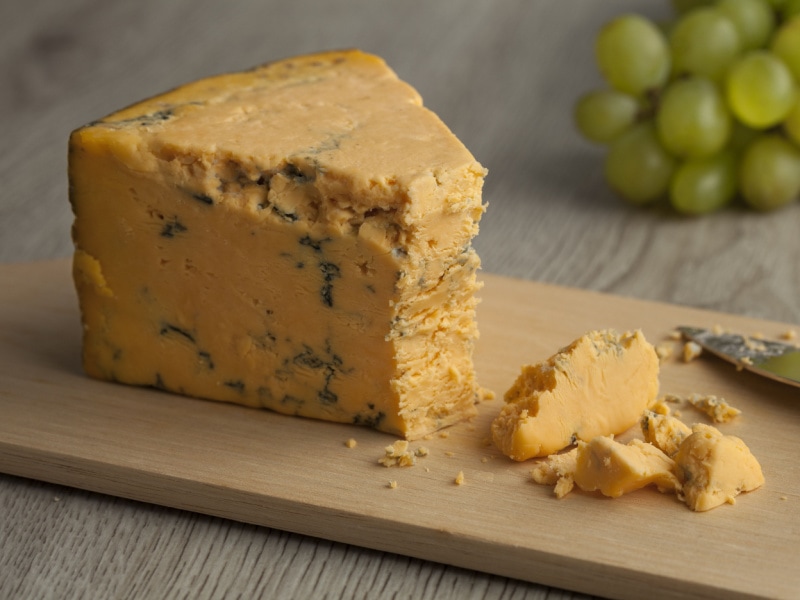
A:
[503,75]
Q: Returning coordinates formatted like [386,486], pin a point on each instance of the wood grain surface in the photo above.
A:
[503,75]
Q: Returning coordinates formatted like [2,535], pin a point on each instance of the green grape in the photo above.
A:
[792,123]
[693,120]
[637,167]
[704,42]
[753,19]
[604,114]
[632,54]
[760,89]
[769,173]
[705,185]
[786,45]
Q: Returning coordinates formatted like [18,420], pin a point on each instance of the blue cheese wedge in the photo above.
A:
[295,237]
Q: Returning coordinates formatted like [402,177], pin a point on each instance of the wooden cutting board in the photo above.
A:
[298,475]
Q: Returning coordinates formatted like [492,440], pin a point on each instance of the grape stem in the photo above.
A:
[649,109]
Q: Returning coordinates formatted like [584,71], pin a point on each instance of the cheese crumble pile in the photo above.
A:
[701,465]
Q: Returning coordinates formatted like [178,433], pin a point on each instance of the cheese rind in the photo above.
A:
[295,237]
[598,385]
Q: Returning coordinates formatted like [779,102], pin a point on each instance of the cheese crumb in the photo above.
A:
[460,478]
[665,351]
[789,335]
[675,335]
[397,455]
[717,408]
[392,484]
[449,454]
[444,434]
[486,395]
[754,344]
[691,350]
[351,443]
[660,407]
[558,470]
[421,451]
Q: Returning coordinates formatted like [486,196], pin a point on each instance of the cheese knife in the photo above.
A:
[776,360]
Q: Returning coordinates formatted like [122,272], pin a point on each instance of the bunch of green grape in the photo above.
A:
[703,109]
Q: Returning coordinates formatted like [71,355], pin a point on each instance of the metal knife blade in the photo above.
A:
[777,360]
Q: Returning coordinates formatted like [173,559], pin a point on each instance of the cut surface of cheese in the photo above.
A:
[614,469]
[715,468]
[598,385]
[295,237]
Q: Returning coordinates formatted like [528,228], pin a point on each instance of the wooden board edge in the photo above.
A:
[351,528]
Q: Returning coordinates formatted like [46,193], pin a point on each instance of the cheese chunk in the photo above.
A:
[715,468]
[607,466]
[295,237]
[665,432]
[598,385]
[615,469]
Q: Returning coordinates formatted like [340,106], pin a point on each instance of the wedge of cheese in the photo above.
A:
[598,385]
[295,237]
